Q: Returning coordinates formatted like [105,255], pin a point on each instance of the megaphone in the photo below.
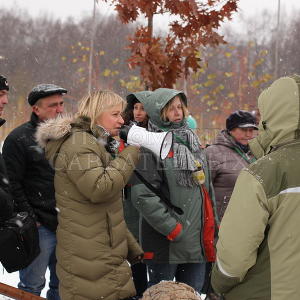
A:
[159,143]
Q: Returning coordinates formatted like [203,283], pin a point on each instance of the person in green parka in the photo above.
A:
[172,238]
[94,245]
[258,251]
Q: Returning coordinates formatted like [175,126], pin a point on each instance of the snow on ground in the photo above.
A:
[13,279]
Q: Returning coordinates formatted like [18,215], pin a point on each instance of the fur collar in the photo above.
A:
[53,129]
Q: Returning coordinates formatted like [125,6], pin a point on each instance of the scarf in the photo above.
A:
[186,149]
[245,148]
[111,145]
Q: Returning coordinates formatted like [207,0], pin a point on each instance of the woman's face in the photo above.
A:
[139,114]
[242,135]
[111,120]
[174,112]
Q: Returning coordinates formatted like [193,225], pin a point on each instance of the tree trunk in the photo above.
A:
[150,33]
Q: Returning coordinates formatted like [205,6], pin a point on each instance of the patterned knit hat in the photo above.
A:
[170,290]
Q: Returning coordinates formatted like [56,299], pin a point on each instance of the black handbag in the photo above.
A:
[19,242]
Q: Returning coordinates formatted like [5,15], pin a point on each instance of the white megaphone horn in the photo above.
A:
[159,143]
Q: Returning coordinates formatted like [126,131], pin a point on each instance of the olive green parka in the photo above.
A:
[93,242]
[258,251]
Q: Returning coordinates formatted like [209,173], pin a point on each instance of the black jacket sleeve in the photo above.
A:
[14,154]
[6,200]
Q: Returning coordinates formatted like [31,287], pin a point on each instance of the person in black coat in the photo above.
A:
[135,114]
[6,201]
[32,185]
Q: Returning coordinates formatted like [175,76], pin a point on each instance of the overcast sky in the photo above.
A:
[78,8]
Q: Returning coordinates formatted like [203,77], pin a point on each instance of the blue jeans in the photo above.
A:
[191,274]
[32,278]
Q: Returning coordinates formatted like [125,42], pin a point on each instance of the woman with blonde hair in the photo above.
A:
[170,194]
[93,242]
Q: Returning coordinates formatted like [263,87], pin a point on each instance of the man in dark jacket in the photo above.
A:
[31,179]
[6,202]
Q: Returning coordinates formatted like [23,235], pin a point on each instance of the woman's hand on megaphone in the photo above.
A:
[123,133]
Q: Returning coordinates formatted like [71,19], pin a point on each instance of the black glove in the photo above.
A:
[123,133]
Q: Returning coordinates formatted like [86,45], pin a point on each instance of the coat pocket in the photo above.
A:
[116,228]
[109,229]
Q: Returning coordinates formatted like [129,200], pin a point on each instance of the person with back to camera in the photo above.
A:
[31,181]
[135,113]
[229,154]
[171,236]
[258,251]
[93,242]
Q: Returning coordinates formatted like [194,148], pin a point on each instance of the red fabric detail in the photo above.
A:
[208,227]
[148,255]
[170,154]
[121,146]
[174,233]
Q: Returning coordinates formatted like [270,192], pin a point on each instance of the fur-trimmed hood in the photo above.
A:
[51,134]
[53,129]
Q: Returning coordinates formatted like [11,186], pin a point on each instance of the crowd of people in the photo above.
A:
[115,220]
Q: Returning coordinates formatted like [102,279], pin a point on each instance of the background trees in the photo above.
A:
[231,76]
[162,60]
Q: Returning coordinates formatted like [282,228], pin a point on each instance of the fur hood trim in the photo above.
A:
[53,129]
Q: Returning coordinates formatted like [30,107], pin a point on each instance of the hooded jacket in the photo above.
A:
[93,242]
[226,160]
[258,252]
[131,214]
[166,236]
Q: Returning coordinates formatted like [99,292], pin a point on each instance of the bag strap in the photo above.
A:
[167,201]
